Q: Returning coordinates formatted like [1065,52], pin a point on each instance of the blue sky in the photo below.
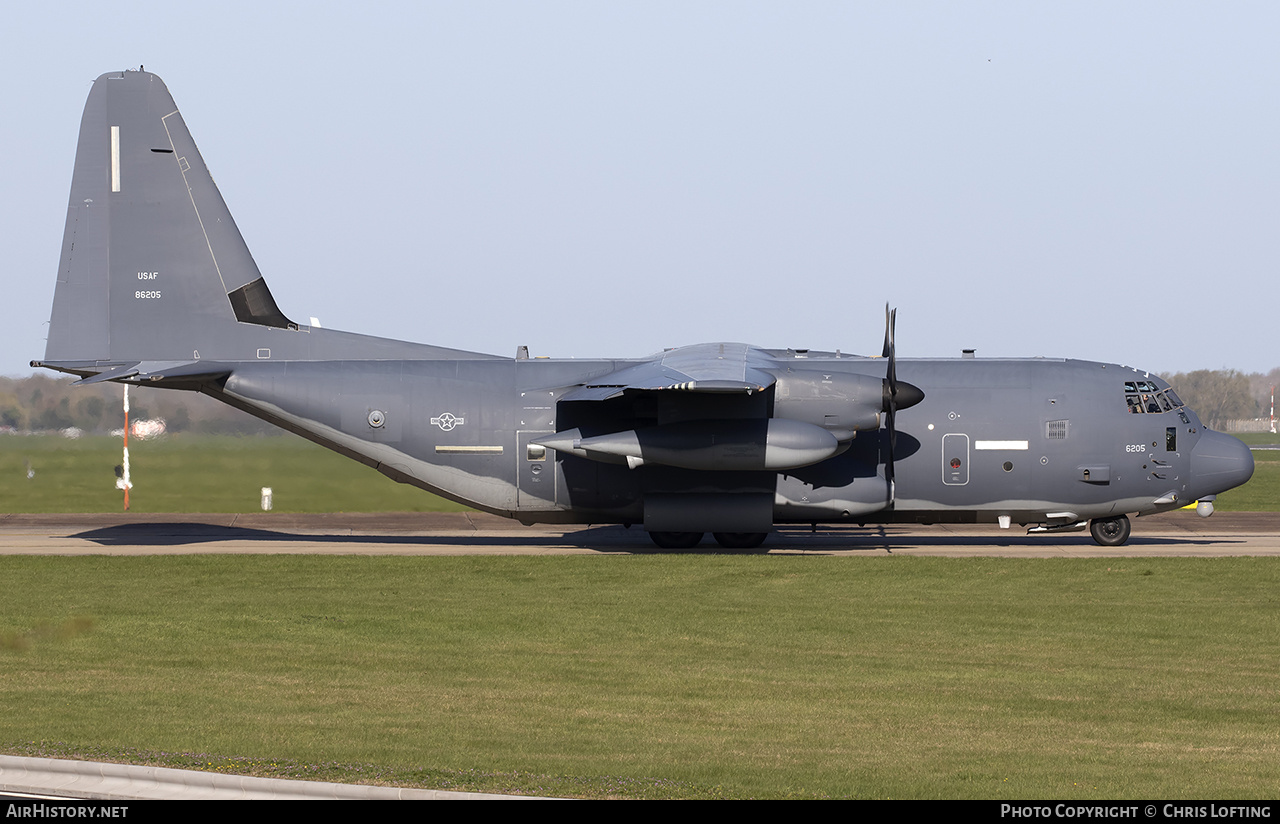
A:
[1089,180]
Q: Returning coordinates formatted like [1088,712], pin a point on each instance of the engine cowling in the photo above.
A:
[841,404]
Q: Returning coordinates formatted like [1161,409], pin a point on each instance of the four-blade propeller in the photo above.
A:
[897,395]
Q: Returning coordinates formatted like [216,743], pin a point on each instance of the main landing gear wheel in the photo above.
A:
[740,540]
[1110,531]
[676,540]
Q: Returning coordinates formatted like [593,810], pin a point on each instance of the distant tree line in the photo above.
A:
[1221,395]
[46,403]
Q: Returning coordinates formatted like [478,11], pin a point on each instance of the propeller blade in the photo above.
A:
[888,332]
[896,396]
[891,392]
[891,425]
[893,359]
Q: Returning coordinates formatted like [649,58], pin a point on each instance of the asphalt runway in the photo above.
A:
[470,533]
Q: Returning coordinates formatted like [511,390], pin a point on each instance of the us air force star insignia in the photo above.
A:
[447,421]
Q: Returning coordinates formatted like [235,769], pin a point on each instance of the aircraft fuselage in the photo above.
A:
[1039,441]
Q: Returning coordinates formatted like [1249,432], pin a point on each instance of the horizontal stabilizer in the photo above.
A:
[153,371]
[114,373]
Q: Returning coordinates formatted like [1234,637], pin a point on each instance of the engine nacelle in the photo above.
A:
[842,404]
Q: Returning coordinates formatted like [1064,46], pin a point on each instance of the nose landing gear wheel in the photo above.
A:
[1110,531]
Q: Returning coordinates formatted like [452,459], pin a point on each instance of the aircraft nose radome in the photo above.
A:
[1219,462]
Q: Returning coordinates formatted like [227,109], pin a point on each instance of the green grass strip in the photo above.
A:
[659,676]
[196,473]
[225,473]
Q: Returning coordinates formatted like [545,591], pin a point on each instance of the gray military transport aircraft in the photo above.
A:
[156,287]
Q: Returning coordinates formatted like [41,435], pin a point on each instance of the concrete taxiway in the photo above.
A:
[48,781]
[473,533]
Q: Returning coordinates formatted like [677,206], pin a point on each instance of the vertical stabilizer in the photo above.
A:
[152,265]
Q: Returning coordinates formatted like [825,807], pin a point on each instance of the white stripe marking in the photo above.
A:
[1001,445]
[115,158]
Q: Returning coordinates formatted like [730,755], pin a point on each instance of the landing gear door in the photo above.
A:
[536,481]
[955,459]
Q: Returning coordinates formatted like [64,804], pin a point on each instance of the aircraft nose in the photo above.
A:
[1219,462]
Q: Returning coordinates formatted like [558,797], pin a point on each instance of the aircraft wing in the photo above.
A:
[720,368]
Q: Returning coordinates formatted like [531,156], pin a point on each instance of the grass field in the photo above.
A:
[1262,493]
[197,473]
[212,473]
[659,676]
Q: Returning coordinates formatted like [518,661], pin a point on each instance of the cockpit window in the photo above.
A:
[1143,397]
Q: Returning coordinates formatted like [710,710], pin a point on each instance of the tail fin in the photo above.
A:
[155,280]
[153,266]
